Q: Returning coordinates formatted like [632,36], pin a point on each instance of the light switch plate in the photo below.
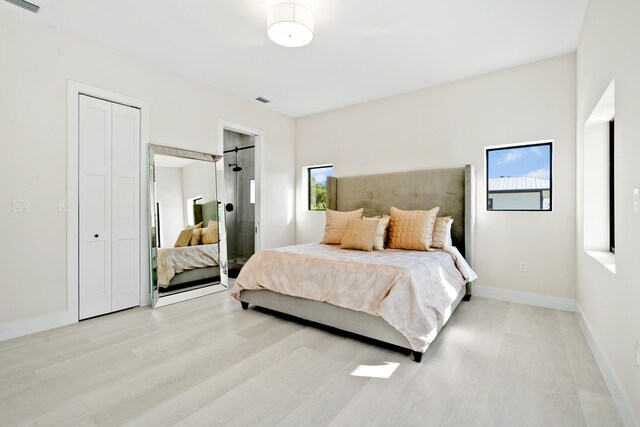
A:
[62,205]
[26,206]
[17,205]
[636,199]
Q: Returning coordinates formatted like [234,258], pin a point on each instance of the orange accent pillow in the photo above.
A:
[210,234]
[359,234]
[412,229]
[184,237]
[336,225]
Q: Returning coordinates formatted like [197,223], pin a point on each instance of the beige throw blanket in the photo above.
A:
[410,290]
[172,261]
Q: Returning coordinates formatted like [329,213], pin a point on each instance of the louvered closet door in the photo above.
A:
[94,231]
[109,194]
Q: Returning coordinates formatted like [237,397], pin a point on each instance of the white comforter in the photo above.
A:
[172,261]
[410,290]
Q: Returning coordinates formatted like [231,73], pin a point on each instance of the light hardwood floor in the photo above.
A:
[207,362]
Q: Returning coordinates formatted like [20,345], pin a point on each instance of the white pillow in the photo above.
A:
[448,241]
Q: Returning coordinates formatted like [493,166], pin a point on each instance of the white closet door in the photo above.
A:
[95,207]
[125,258]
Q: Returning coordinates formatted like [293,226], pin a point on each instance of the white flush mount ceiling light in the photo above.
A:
[290,25]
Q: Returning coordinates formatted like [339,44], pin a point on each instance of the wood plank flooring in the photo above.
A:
[207,362]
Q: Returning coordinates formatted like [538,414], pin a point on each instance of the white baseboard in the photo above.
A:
[19,328]
[538,300]
[618,394]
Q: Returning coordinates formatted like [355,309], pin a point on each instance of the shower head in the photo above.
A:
[236,167]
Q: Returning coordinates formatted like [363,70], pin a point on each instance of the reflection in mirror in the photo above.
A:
[239,195]
[184,232]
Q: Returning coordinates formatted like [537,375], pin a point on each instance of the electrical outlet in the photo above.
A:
[523,266]
[22,206]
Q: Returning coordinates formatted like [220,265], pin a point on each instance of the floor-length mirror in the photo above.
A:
[186,216]
[240,198]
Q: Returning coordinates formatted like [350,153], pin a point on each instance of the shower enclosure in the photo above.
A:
[239,209]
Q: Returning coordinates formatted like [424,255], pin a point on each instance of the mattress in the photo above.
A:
[172,261]
[410,290]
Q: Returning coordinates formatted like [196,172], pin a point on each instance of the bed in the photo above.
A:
[269,279]
[186,265]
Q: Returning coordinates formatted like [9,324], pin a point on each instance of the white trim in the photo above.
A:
[74,89]
[20,328]
[620,397]
[187,295]
[606,258]
[538,300]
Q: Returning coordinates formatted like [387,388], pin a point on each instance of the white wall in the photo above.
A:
[169,194]
[449,125]
[610,48]
[198,179]
[36,62]
[595,176]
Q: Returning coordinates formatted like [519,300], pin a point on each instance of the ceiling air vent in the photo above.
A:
[25,5]
[263,100]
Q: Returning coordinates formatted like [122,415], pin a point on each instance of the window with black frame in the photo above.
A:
[317,183]
[519,177]
[612,205]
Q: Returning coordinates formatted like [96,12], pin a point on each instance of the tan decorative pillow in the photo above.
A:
[337,224]
[210,234]
[184,237]
[412,229]
[359,234]
[439,237]
[196,234]
[382,231]
[198,225]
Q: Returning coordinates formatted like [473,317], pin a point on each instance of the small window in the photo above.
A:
[519,178]
[317,179]
[158,228]
[190,202]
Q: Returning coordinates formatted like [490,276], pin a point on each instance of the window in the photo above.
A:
[158,228]
[317,181]
[190,202]
[612,234]
[519,178]
[598,177]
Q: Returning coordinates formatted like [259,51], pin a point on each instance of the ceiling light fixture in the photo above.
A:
[289,24]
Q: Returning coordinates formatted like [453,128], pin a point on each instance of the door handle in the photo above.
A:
[96,236]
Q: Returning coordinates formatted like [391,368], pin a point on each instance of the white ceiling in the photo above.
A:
[362,49]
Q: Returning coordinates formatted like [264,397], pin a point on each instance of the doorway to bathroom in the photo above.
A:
[240,198]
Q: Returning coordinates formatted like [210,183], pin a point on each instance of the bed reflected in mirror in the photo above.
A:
[185,225]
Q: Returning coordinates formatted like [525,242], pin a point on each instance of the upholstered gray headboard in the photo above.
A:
[452,189]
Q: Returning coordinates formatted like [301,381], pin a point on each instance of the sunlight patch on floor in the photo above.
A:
[376,371]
